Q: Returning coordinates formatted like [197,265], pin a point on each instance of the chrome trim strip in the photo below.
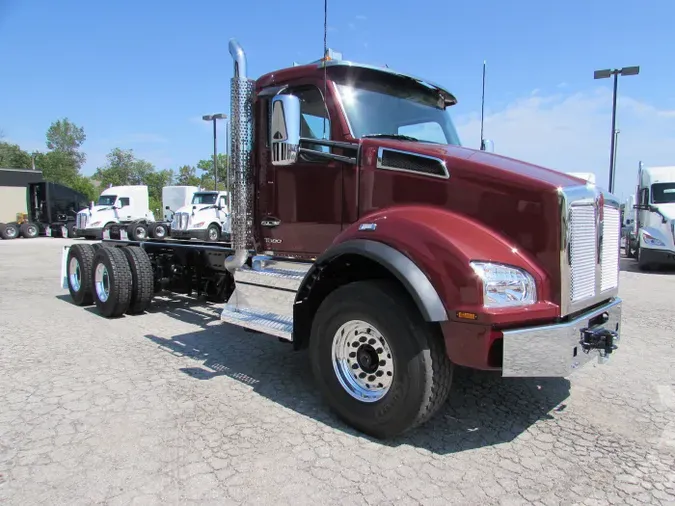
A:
[583,195]
[380,165]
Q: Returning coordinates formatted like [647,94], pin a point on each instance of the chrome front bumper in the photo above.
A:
[556,350]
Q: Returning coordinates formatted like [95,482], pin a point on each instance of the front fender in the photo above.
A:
[441,243]
[657,233]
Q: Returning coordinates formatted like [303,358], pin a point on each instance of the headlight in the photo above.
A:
[505,286]
[650,240]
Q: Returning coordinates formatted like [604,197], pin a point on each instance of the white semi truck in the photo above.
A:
[127,205]
[654,243]
[173,199]
[206,218]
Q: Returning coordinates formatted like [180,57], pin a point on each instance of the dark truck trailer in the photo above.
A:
[53,207]
[30,206]
[14,201]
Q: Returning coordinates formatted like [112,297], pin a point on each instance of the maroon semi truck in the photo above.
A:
[364,232]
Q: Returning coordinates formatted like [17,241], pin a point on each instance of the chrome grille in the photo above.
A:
[81,221]
[182,220]
[582,252]
[610,248]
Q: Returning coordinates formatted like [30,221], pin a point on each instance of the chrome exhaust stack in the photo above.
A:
[241,141]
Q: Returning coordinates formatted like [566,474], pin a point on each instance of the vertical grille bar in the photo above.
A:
[610,248]
[582,252]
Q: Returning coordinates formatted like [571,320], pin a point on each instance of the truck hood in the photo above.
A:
[668,210]
[515,199]
[198,208]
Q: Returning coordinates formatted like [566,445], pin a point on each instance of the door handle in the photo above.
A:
[270,222]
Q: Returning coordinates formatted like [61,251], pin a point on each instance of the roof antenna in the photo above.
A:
[482,109]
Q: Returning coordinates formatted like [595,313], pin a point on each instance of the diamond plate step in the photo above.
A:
[262,321]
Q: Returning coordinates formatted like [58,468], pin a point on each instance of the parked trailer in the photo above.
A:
[390,258]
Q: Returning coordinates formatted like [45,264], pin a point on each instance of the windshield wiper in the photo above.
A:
[393,136]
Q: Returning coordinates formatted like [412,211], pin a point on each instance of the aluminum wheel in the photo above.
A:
[213,234]
[12,232]
[159,232]
[140,232]
[362,361]
[75,274]
[102,282]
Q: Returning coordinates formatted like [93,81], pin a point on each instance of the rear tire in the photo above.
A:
[29,230]
[9,231]
[142,279]
[158,231]
[111,282]
[369,339]
[78,269]
[137,231]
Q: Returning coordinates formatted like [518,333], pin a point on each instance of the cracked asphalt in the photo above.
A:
[174,407]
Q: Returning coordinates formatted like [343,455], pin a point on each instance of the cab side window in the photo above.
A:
[124,201]
[314,116]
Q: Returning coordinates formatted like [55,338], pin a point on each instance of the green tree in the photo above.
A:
[123,168]
[156,181]
[187,176]
[57,167]
[65,137]
[207,176]
[84,185]
[13,157]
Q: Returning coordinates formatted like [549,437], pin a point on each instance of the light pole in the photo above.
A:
[604,74]
[214,118]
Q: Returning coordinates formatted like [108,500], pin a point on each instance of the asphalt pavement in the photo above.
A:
[175,407]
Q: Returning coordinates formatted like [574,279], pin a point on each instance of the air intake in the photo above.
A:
[405,161]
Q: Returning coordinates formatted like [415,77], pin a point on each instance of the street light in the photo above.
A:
[604,74]
[214,118]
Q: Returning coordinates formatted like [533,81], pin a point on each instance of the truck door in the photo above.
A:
[304,209]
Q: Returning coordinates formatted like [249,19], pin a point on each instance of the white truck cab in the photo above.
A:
[116,204]
[655,216]
[176,197]
[206,218]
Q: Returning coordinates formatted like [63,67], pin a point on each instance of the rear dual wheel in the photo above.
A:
[380,366]
[116,280]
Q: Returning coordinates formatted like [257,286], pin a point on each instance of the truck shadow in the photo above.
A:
[483,409]
[631,265]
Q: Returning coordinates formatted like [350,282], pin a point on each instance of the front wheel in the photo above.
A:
[213,233]
[380,366]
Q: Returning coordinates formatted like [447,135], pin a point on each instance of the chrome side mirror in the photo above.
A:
[487,145]
[285,129]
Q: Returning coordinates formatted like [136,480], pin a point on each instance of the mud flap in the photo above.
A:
[64,267]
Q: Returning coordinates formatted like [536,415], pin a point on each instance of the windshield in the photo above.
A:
[663,193]
[204,198]
[377,105]
[107,200]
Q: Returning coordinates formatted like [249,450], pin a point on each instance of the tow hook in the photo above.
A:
[599,339]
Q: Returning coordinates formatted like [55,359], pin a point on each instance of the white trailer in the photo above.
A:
[655,216]
[126,205]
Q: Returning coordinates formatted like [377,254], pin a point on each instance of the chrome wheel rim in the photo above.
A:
[362,361]
[159,232]
[102,282]
[140,232]
[213,234]
[11,232]
[32,231]
[75,275]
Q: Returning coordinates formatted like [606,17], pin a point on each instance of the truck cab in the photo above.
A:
[115,205]
[655,216]
[206,218]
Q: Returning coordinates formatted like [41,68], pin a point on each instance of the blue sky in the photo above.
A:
[140,74]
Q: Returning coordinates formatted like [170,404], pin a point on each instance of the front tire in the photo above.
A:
[111,282]
[213,233]
[379,365]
